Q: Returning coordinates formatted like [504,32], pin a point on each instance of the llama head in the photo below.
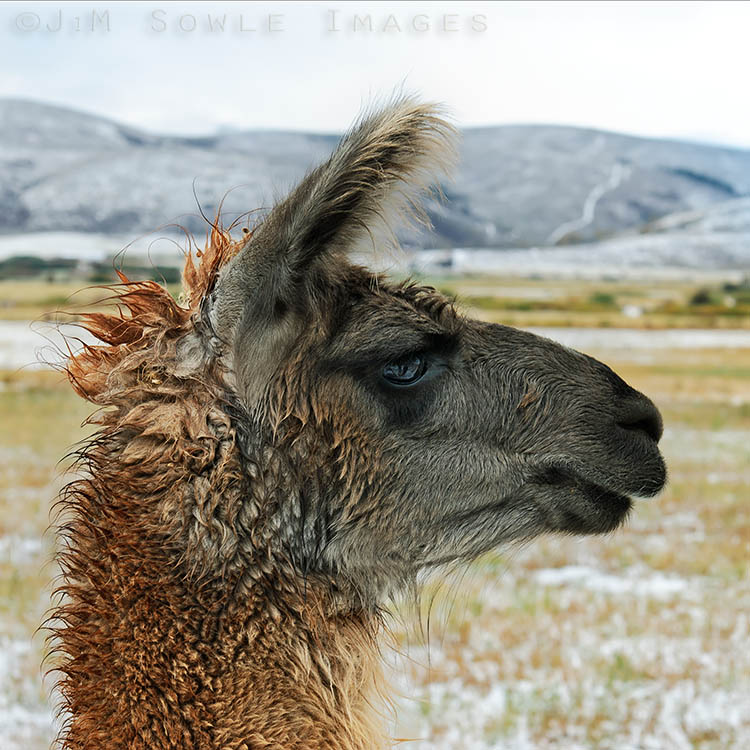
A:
[390,432]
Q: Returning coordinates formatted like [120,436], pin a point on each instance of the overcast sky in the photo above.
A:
[663,69]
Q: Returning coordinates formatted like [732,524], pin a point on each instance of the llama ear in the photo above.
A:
[377,170]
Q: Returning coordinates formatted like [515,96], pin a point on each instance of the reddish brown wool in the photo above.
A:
[154,653]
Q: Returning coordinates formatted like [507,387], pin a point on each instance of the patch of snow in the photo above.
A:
[635,338]
[653,584]
[632,311]
[161,248]
[23,345]
[618,174]
[27,721]
[20,550]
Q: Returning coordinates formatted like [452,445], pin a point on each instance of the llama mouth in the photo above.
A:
[627,468]
[577,504]
[554,499]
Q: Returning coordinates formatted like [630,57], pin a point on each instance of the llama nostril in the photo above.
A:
[642,417]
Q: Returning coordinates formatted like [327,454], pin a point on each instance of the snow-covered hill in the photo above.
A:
[516,186]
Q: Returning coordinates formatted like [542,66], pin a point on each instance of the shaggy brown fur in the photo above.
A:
[156,652]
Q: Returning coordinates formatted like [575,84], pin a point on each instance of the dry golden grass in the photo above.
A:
[43,300]
[588,303]
[575,303]
[41,419]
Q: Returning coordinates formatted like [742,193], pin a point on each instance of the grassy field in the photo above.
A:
[41,420]
[43,300]
[633,641]
[522,302]
[602,303]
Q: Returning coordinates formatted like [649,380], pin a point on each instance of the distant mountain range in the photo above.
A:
[517,186]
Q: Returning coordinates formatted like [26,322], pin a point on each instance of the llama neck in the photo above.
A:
[166,639]
[156,665]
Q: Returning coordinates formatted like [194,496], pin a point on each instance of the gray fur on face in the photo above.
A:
[506,436]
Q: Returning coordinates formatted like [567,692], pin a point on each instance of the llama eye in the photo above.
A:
[406,371]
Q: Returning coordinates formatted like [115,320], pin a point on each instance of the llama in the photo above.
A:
[286,450]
